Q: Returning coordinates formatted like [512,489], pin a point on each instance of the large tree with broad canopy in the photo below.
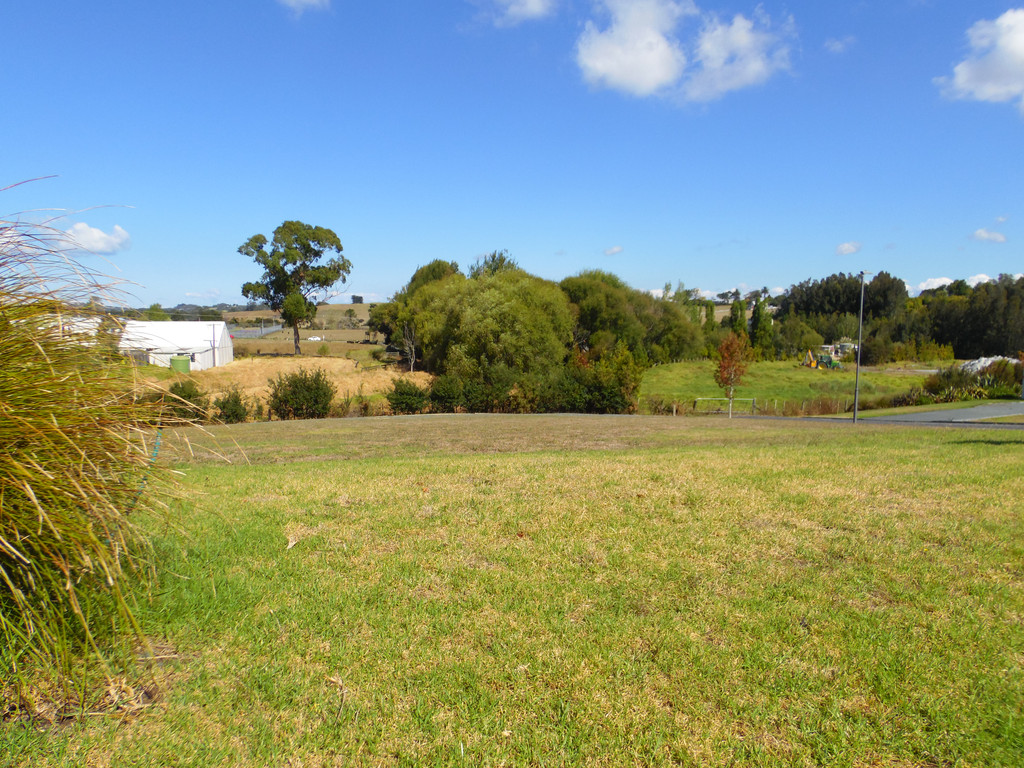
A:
[294,273]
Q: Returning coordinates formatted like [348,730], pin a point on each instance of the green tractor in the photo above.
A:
[827,361]
[821,361]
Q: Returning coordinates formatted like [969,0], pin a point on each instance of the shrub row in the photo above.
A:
[607,386]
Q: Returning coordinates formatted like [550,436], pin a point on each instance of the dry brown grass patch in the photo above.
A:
[252,375]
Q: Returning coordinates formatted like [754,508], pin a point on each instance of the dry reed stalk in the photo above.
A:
[77,435]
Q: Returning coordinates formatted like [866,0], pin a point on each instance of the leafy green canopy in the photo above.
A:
[294,273]
[507,318]
[610,313]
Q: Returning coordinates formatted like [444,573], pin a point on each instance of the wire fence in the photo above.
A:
[721,405]
[250,332]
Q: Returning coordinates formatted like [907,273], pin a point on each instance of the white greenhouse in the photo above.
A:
[203,344]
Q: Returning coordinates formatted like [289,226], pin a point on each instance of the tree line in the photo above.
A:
[500,339]
[952,321]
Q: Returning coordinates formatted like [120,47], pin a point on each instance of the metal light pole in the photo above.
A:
[860,343]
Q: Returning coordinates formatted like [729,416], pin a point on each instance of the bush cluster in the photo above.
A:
[1001,379]
[406,397]
[608,385]
[233,408]
[188,401]
[301,395]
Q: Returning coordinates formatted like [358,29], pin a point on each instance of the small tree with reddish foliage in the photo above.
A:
[733,354]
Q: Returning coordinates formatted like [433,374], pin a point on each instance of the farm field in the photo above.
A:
[251,375]
[578,590]
[326,313]
[778,382]
[330,318]
[353,371]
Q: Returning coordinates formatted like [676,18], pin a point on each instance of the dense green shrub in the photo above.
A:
[406,397]
[949,378]
[188,401]
[1006,373]
[929,351]
[301,395]
[232,407]
[877,350]
[656,405]
[446,394]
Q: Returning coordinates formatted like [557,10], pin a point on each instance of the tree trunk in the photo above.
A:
[409,343]
[295,327]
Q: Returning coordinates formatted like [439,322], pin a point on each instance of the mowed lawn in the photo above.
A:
[777,382]
[580,590]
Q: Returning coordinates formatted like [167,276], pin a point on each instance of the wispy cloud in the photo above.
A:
[738,54]
[204,295]
[615,250]
[987,235]
[839,45]
[994,69]
[512,12]
[932,283]
[974,280]
[305,5]
[640,51]
[97,241]
[847,249]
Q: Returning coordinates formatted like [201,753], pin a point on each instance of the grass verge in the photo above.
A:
[571,590]
[776,384]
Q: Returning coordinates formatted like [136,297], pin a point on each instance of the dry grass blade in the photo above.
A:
[73,466]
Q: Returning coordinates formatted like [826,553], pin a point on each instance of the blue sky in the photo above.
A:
[724,144]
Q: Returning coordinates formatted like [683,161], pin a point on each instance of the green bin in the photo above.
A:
[181,363]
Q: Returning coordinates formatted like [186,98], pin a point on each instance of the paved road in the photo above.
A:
[958,415]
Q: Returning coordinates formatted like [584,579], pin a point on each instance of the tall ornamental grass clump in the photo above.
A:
[76,465]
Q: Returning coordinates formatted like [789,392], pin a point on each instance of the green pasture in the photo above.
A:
[577,590]
[777,381]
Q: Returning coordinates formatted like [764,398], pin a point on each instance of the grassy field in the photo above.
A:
[574,590]
[328,313]
[340,341]
[252,375]
[776,382]
[1006,420]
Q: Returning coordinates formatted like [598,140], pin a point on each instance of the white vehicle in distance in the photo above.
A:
[313,338]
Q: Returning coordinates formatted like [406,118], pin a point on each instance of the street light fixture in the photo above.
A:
[860,343]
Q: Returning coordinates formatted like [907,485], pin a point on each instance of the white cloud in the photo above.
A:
[97,241]
[511,12]
[641,54]
[615,250]
[306,5]
[839,45]
[847,249]
[994,69]
[737,55]
[978,279]
[932,283]
[638,53]
[986,235]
